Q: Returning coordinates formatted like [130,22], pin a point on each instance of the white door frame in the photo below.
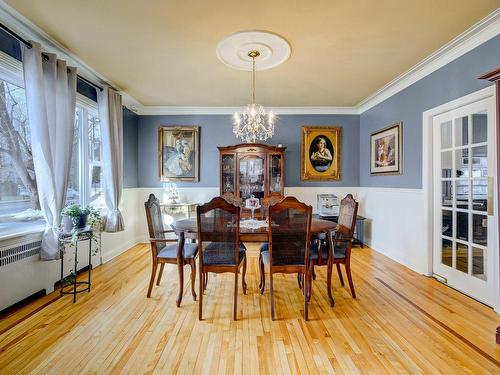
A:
[428,183]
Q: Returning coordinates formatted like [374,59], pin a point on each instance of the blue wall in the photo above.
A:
[450,82]
[217,131]
[130,156]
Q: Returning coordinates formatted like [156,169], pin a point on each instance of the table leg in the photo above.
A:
[329,242]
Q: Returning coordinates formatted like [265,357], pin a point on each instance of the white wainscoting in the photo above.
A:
[394,224]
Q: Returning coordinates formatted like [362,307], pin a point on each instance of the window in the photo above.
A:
[86,174]
[19,205]
[18,194]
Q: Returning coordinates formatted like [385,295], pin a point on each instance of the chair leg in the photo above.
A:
[307,294]
[192,263]
[205,281]
[313,273]
[299,281]
[180,268]
[243,282]
[340,274]
[271,293]
[160,274]
[260,272]
[201,287]
[349,279]
[262,276]
[235,307]
[308,276]
[329,282]
[152,279]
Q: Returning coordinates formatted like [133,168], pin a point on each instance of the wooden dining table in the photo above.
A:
[187,228]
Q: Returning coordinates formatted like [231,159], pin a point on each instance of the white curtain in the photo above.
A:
[50,99]
[111,120]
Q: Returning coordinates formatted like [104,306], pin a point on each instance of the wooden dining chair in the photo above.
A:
[289,238]
[219,244]
[341,243]
[166,249]
[267,202]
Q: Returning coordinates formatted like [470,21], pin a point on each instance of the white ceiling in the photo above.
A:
[163,52]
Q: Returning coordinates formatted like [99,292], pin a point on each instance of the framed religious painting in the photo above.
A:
[179,153]
[321,153]
[386,150]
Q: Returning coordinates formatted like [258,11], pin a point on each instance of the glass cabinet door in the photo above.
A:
[275,173]
[228,174]
[251,176]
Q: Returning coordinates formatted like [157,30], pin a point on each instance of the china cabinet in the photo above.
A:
[248,170]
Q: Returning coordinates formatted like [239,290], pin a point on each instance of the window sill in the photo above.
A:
[21,231]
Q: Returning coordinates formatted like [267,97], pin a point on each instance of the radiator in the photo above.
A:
[12,254]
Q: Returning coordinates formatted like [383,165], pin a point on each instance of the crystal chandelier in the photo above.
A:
[253,123]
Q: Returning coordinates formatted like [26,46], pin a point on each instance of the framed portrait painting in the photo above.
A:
[320,159]
[179,153]
[386,150]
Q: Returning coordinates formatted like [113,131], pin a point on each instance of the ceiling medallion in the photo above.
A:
[253,50]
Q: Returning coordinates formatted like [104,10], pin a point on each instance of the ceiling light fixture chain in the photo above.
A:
[253,124]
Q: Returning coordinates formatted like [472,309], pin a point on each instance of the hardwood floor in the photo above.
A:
[401,322]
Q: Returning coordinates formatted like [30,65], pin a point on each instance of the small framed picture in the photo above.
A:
[386,150]
[179,153]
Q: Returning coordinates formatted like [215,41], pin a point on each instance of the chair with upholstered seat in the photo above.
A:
[267,202]
[341,244]
[166,249]
[219,244]
[289,239]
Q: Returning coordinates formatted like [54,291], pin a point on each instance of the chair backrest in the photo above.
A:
[218,230]
[289,232]
[154,217]
[347,218]
[268,201]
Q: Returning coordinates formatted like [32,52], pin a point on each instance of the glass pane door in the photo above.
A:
[227,173]
[275,173]
[251,176]
[463,171]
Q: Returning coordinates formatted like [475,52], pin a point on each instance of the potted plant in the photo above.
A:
[75,218]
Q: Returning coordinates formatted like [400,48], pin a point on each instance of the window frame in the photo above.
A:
[86,107]
[11,71]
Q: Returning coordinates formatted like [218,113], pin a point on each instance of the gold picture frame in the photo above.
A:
[179,153]
[321,153]
[386,150]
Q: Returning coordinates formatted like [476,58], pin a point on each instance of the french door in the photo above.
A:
[464,156]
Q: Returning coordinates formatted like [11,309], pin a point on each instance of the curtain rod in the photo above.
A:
[45,56]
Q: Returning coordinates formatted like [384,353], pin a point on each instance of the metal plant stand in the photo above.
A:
[71,287]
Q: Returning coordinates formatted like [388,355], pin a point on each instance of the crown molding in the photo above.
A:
[174,110]
[477,34]
[28,30]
